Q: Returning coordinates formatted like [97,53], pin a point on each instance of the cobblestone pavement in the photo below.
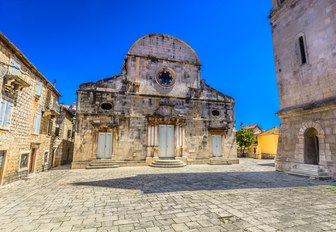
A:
[250,196]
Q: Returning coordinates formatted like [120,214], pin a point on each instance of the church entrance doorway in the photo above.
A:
[104,149]
[217,145]
[166,142]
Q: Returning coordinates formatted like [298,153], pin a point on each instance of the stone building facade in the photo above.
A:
[304,35]
[28,110]
[64,133]
[157,108]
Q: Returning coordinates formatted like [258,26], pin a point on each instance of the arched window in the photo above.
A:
[302,47]
[311,147]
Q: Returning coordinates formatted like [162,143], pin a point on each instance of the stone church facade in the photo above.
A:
[157,108]
[304,38]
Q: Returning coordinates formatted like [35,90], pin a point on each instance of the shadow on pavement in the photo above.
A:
[174,182]
[62,167]
[268,165]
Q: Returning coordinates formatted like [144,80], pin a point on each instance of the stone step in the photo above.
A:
[219,162]
[168,164]
[307,169]
[101,167]
[168,161]
[100,164]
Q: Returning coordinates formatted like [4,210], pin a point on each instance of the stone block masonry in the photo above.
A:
[304,36]
[157,108]
[29,105]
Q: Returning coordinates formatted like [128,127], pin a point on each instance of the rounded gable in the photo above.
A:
[164,47]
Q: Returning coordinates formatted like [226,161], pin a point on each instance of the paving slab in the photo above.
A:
[250,196]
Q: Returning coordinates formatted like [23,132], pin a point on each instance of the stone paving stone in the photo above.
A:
[250,196]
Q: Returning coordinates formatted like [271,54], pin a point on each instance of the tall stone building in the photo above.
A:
[157,108]
[28,110]
[304,38]
[64,133]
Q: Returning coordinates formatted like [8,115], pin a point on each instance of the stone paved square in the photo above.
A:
[250,196]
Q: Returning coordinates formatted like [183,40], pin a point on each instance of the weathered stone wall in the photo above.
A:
[64,142]
[18,138]
[307,91]
[291,140]
[136,95]
[315,80]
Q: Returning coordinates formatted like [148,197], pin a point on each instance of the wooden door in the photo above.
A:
[217,146]
[32,161]
[104,148]
[166,141]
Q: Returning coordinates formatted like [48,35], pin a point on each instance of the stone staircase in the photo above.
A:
[219,162]
[100,164]
[167,164]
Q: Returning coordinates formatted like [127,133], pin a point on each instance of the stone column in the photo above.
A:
[156,144]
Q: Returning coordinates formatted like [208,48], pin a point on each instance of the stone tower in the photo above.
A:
[304,39]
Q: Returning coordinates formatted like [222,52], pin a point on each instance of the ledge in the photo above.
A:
[319,105]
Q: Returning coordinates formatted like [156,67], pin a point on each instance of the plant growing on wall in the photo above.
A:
[245,139]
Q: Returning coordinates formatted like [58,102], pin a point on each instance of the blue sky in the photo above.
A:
[87,40]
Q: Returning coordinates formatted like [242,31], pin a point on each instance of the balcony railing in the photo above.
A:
[54,106]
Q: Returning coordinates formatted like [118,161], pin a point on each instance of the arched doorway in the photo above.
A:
[311,147]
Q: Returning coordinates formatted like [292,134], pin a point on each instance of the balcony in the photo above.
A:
[13,81]
[52,109]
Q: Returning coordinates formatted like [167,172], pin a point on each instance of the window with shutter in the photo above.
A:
[37,124]
[14,69]
[2,112]
[5,114]
[8,115]
[38,89]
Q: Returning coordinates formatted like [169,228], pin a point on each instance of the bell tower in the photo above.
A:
[304,36]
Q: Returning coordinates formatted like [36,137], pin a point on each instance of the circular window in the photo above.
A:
[106,106]
[165,78]
[215,113]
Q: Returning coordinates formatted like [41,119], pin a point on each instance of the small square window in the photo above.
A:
[24,160]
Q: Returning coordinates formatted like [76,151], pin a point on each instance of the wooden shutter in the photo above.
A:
[34,125]
[37,123]
[38,89]
[14,69]
[8,114]
[2,112]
